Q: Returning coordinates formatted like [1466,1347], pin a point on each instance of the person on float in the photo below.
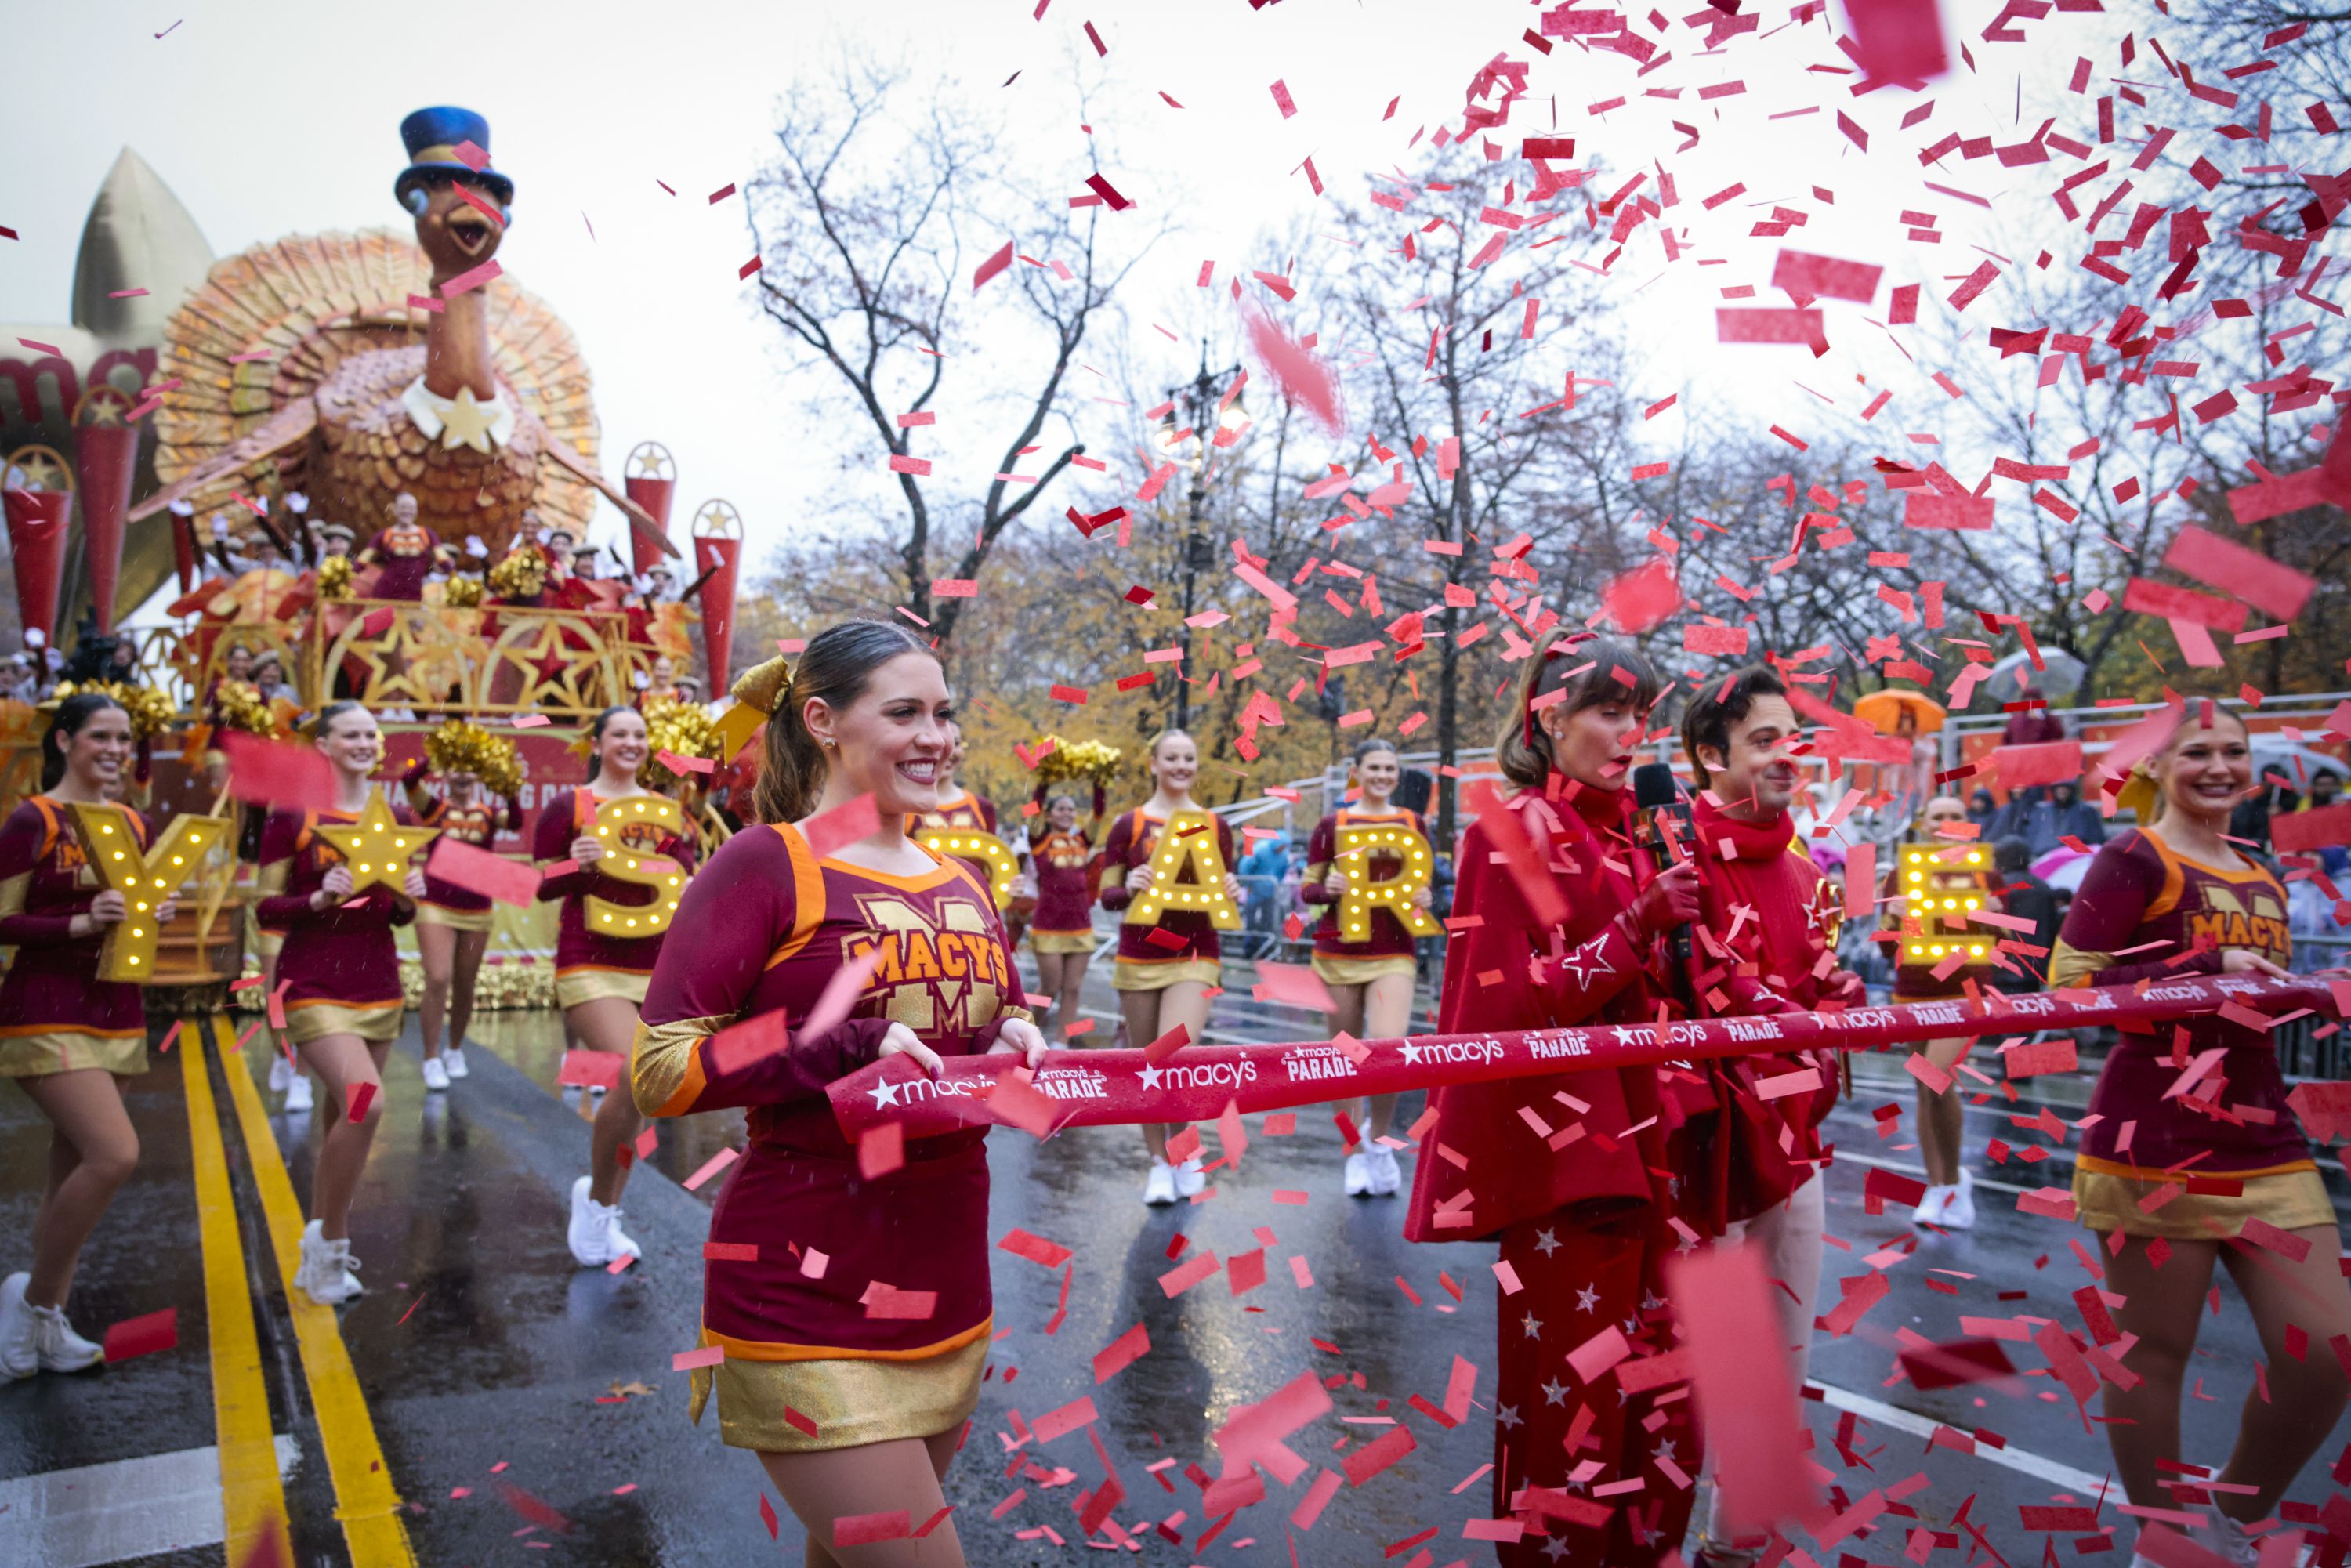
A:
[1163,987]
[66,1036]
[599,980]
[661,682]
[1767,919]
[2169,899]
[340,971]
[1582,1218]
[851,1412]
[1370,976]
[1062,940]
[403,555]
[453,922]
[1950,1200]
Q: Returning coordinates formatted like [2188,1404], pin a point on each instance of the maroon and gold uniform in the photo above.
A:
[589,965]
[446,903]
[968,811]
[2234,1122]
[55,1014]
[404,557]
[763,929]
[1065,896]
[1142,964]
[1387,949]
[339,969]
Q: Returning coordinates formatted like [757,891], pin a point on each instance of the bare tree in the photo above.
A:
[860,222]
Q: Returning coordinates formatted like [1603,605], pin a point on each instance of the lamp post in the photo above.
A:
[1199,397]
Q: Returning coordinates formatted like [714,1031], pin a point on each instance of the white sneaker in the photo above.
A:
[61,1349]
[2227,1537]
[1931,1207]
[1359,1174]
[436,1076]
[298,1092]
[281,1073]
[1160,1186]
[20,1332]
[1959,1212]
[595,1232]
[1387,1177]
[618,1243]
[453,1061]
[1190,1179]
[328,1272]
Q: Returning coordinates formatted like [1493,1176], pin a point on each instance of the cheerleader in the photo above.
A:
[1581,1216]
[453,922]
[1063,940]
[1370,975]
[850,1411]
[959,808]
[66,1036]
[1163,987]
[340,975]
[2169,898]
[600,981]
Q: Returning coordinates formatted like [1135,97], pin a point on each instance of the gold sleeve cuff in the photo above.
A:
[2070,967]
[1320,871]
[271,879]
[665,1064]
[1023,1014]
[12,893]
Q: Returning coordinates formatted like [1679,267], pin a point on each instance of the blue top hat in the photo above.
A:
[432,137]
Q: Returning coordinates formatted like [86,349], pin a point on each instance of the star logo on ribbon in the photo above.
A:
[884,1093]
[1151,1076]
[1411,1055]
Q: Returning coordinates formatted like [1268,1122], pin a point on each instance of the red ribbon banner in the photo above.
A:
[1099,1088]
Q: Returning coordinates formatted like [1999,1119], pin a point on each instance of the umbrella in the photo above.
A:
[1884,709]
[2064,869]
[2060,679]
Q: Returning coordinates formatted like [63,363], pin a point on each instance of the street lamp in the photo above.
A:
[1199,397]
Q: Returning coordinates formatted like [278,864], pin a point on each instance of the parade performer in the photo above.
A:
[2173,897]
[1062,940]
[1950,1200]
[66,1036]
[599,980]
[961,807]
[340,973]
[402,554]
[1163,985]
[452,924]
[1767,919]
[850,1410]
[1567,929]
[1370,975]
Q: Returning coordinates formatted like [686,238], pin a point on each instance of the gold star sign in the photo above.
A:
[145,878]
[466,421]
[970,843]
[376,847]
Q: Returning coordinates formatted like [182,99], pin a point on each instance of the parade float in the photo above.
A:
[370,462]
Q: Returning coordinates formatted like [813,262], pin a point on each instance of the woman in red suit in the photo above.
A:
[1568,930]
[851,1410]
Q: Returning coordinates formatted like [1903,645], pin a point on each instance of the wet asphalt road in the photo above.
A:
[492,1368]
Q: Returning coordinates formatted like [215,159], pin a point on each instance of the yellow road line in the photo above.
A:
[365,1500]
[253,1502]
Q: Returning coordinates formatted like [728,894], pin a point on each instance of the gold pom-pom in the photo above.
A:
[151,713]
[682,729]
[458,746]
[462,592]
[763,686]
[335,578]
[238,705]
[520,575]
[1088,759]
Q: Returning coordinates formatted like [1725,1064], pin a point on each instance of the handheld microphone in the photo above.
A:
[1655,793]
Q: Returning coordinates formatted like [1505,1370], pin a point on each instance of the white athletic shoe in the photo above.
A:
[595,1232]
[1190,1179]
[1959,1212]
[298,1092]
[61,1349]
[1387,1177]
[328,1274]
[1931,1207]
[2227,1537]
[20,1332]
[281,1073]
[436,1076]
[1359,1174]
[1159,1187]
[618,1243]
[453,1061]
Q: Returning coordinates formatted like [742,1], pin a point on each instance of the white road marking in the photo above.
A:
[122,1509]
[2023,1461]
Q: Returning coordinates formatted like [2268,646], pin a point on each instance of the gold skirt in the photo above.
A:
[1128,975]
[852,1402]
[72,1050]
[573,987]
[375,1023]
[1362,971]
[430,914]
[1061,941]
[2291,1200]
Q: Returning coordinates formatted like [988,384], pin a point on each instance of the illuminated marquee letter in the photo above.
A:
[1188,840]
[145,881]
[1941,883]
[1358,848]
[662,874]
[971,843]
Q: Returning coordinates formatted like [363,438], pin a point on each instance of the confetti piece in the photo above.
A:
[868,1529]
[991,267]
[478,870]
[710,1167]
[1122,1353]
[144,1335]
[687,1360]
[362,1096]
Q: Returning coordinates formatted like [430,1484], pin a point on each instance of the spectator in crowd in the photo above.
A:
[2044,824]
[1260,872]
[1983,810]
[22,683]
[2326,786]
[2032,726]
[2025,895]
[2275,796]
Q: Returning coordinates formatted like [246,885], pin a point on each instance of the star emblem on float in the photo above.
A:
[1585,961]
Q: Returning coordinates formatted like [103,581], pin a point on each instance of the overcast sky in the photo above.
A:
[274,118]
